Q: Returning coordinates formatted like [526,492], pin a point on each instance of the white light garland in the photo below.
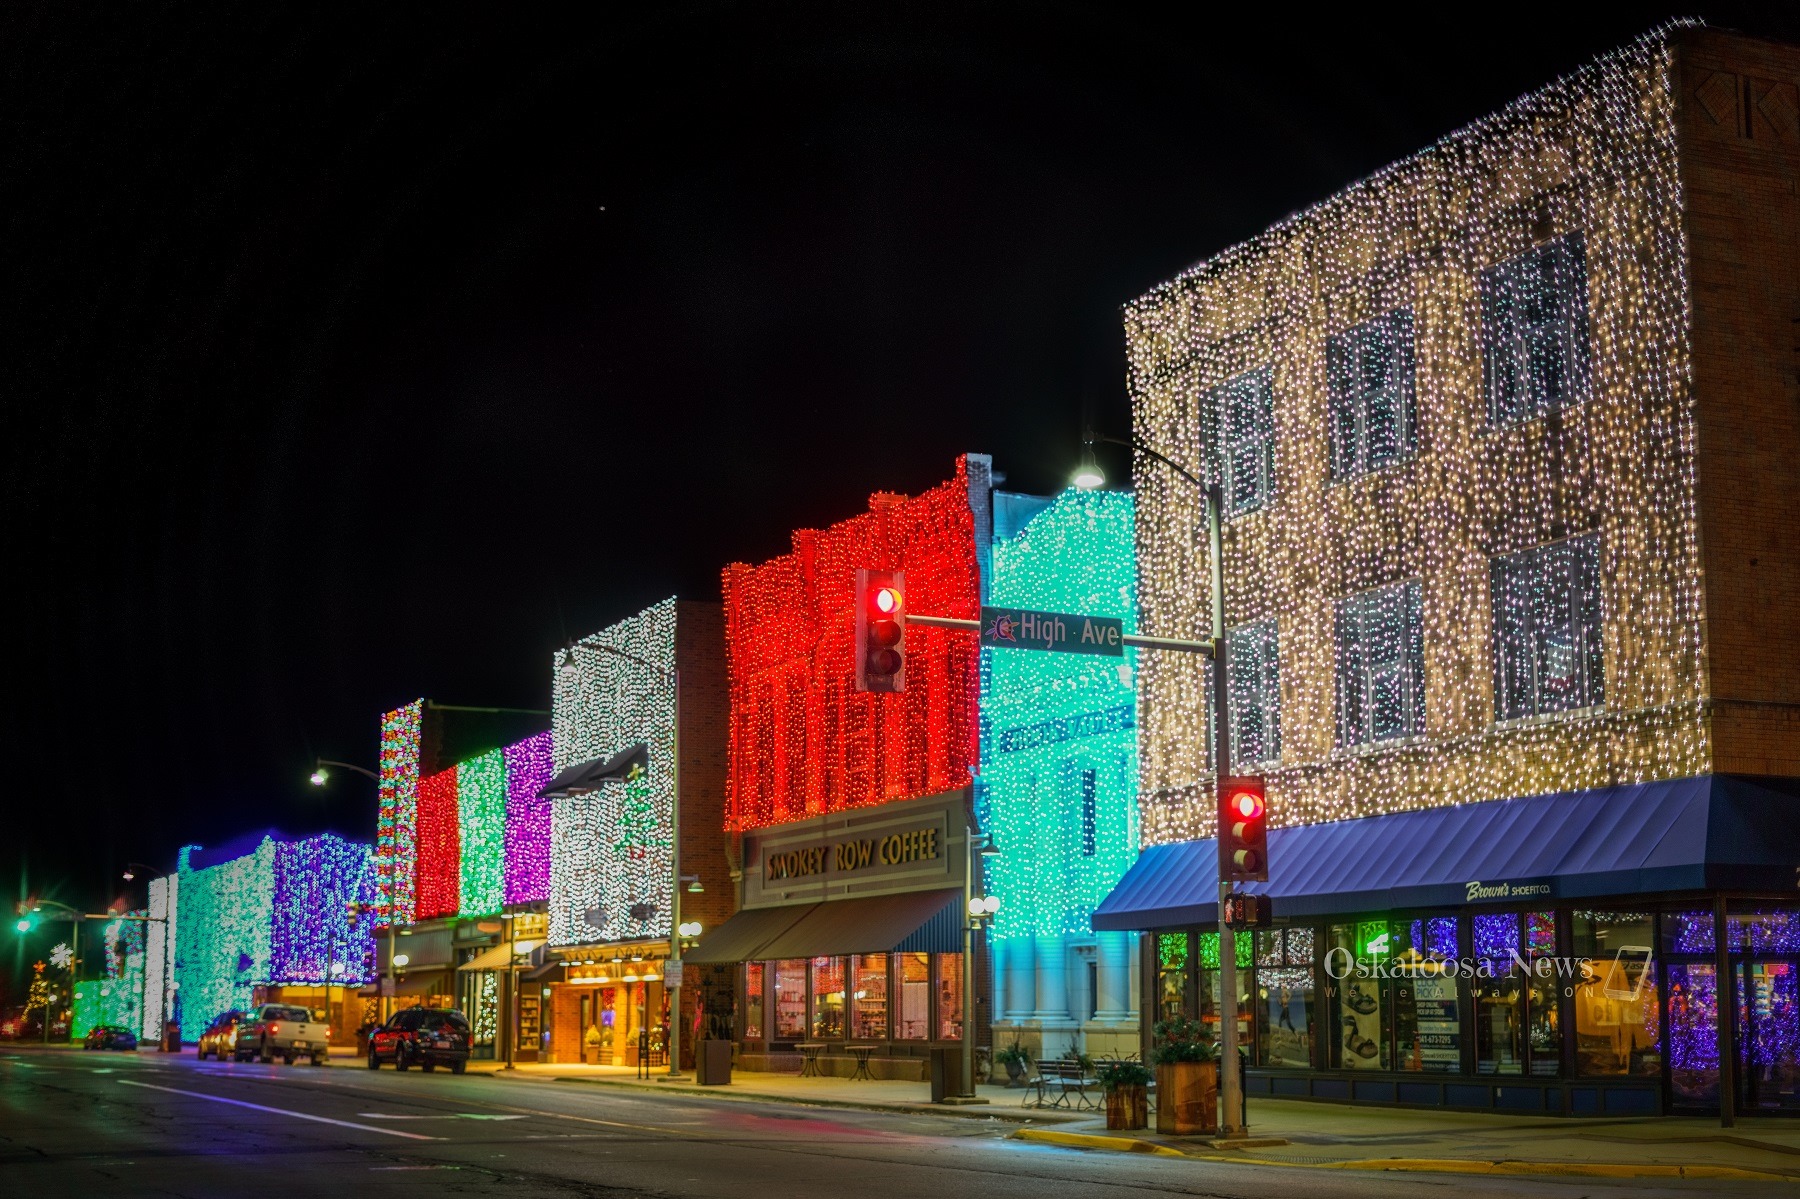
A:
[1589,428]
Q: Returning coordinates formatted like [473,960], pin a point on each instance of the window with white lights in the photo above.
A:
[1546,611]
[1369,378]
[1534,331]
[1380,665]
[1253,670]
[1240,415]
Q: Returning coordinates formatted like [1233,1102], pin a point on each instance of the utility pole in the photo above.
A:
[1230,1080]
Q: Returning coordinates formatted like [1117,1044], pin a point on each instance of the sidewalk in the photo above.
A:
[870,1094]
[1330,1136]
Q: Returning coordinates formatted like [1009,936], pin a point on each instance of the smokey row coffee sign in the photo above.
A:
[853,854]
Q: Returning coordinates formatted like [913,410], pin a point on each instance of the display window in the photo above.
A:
[1617,1010]
[1425,995]
[1358,1015]
[949,996]
[828,999]
[1171,975]
[1207,952]
[913,1020]
[868,997]
[790,999]
[754,1001]
[1285,1000]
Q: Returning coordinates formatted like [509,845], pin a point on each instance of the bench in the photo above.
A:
[1055,1080]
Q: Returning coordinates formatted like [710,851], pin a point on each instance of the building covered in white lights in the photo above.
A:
[1507,436]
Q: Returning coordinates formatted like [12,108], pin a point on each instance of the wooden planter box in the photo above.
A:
[1127,1107]
[1187,1098]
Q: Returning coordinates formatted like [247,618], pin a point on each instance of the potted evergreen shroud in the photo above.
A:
[1187,1078]
[1017,1062]
[1126,1085]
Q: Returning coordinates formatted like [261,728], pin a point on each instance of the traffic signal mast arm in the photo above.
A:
[1137,640]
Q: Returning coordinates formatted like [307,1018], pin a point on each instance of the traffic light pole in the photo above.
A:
[1230,1078]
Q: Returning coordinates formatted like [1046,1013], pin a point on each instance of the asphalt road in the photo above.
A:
[87,1125]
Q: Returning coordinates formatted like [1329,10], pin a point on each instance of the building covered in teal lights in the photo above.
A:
[1059,778]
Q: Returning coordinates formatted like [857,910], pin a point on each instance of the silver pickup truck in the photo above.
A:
[280,1030]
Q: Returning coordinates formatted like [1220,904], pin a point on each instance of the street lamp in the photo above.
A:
[1088,476]
[320,776]
[129,874]
[567,667]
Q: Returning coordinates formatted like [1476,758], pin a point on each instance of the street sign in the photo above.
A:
[672,973]
[1063,632]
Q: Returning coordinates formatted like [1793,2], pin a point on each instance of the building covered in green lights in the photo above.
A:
[1059,778]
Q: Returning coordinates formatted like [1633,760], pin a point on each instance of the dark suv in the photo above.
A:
[423,1037]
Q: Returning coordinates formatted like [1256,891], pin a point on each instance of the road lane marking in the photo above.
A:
[279,1111]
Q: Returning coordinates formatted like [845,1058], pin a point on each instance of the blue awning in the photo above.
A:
[1694,834]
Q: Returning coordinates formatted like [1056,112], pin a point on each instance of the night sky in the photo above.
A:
[348,360]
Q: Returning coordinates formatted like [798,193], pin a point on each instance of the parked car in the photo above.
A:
[279,1030]
[220,1037]
[110,1036]
[422,1037]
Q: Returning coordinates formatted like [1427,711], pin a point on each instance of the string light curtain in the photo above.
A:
[437,859]
[398,812]
[803,740]
[159,961]
[222,932]
[315,880]
[481,823]
[1059,731]
[528,770]
[1529,273]
[611,853]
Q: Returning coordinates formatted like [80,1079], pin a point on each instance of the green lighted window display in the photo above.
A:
[481,811]
[1059,731]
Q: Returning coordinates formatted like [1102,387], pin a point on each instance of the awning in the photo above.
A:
[435,983]
[917,922]
[584,777]
[738,939]
[500,957]
[1693,834]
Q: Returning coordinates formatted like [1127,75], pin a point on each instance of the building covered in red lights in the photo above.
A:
[851,812]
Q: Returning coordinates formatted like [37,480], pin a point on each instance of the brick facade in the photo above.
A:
[1680,456]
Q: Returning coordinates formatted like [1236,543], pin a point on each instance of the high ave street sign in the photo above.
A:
[1062,632]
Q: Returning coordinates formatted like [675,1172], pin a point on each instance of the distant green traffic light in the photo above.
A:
[24,925]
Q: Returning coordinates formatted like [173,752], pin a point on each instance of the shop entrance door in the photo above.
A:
[1693,1021]
[1768,999]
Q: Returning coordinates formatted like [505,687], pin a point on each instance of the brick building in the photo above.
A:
[1507,436]
[637,706]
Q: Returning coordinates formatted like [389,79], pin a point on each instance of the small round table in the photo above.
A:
[862,1054]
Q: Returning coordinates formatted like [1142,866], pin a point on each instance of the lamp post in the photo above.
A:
[319,777]
[978,910]
[130,873]
[1088,476]
[567,666]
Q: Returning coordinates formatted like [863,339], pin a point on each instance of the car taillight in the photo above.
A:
[275,1027]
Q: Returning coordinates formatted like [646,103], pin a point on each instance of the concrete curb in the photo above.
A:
[970,1112]
[1080,1140]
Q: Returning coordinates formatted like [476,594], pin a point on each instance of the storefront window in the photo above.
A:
[790,998]
[1693,1034]
[949,996]
[913,1020]
[1284,992]
[753,1001]
[1763,932]
[1207,951]
[828,998]
[1171,975]
[1360,1041]
[868,997]
[1617,1020]
[1427,1024]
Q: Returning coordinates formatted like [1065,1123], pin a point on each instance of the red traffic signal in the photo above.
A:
[1243,830]
[880,630]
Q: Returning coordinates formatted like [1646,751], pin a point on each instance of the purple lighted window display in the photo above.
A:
[1693,1033]
[528,771]
[1764,932]
[1436,936]
[1496,935]
[1688,932]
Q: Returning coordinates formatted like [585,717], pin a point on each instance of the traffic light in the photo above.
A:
[1248,911]
[1243,830]
[27,916]
[880,630]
